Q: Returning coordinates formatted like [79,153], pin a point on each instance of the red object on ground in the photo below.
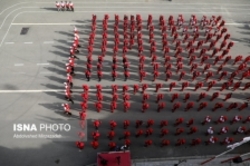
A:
[114,157]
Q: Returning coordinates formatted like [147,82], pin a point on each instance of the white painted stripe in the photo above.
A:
[235,41]
[18,64]
[233,23]
[70,41]
[92,90]
[48,42]
[28,42]
[9,42]
[42,64]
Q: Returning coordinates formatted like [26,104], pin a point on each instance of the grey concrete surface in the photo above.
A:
[35,63]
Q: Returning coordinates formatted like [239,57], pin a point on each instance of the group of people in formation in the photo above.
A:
[63,6]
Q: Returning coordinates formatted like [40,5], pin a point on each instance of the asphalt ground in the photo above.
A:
[33,71]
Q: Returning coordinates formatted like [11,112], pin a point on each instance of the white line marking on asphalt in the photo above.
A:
[69,41]
[9,42]
[81,90]
[42,64]
[28,42]
[18,64]
[48,42]
[235,41]
[13,12]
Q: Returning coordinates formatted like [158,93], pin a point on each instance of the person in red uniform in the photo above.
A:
[139,133]
[223,74]
[217,106]
[161,106]
[126,134]
[163,123]
[176,106]
[80,145]
[179,121]
[98,88]
[241,130]
[192,59]
[126,124]
[190,52]
[171,86]
[185,38]
[95,144]
[236,85]
[144,87]
[223,130]
[245,74]
[189,106]
[99,96]
[212,140]
[98,106]
[190,122]
[126,106]
[84,106]
[148,143]
[187,96]
[228,96]
[227,140]
[198,85]
[96,124]
[206,120]
[111,134]
[180,141]
[215,51]
[195,75]
[212,44]
[192,130]
[246,120]
[138,123]
[243,106]
[112,145]
[211,84]
[203,59]
[66,109]
[112,124]
[201,96]
[202,105]
[158,86]
[165,142]
[179,130]
[221,119]
[96,135]
[184,85]
[208,75]
[145,106]
[174,96]
[214,96]
[232,106]
[196,141]
[237,59]
[148,132]
[136,88]
[236,119]
[199,44]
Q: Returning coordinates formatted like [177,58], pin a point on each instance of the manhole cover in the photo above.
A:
[24,31]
